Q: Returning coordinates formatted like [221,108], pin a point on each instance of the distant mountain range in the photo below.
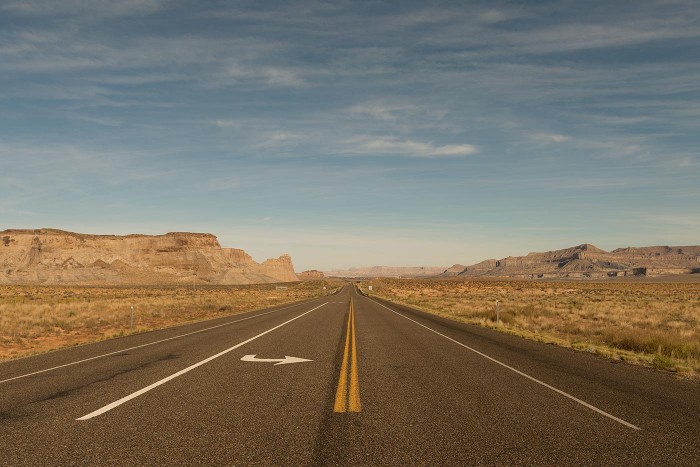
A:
[589,261]
[579,261]
[387,271]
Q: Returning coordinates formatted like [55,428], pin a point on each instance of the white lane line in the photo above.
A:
[559,391]
[133,395]
[150,343]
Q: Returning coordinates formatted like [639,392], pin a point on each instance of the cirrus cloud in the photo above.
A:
[550,138]
[390,145]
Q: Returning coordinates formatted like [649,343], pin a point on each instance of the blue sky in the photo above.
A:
[355,133]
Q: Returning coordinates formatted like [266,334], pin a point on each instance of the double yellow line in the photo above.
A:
[347,399]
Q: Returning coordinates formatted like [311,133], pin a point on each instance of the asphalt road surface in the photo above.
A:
[380,385]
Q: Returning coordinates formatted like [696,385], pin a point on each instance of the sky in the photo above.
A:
[355,133]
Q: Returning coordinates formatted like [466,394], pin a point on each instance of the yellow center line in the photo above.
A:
[348,401]
[354,397]
[340,400]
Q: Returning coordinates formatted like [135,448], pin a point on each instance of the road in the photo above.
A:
[381,384]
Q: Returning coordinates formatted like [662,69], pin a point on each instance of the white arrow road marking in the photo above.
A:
[280,361]
[114,404]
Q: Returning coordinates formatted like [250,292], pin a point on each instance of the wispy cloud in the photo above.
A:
[492,16]
[99,8]
[574,37]
[549,138]
[280,138]
[56,167]
[274,76]
[378,111]
[408,147]
[229,123]
[619,147]
[282,77]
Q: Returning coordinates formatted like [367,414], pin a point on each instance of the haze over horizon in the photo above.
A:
[353,133]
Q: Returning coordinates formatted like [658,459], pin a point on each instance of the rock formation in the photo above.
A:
[589,261]
[48,256]
[479,268]
[453,270]
[310,275]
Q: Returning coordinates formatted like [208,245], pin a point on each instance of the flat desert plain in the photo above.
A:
[36,319]
[651,322]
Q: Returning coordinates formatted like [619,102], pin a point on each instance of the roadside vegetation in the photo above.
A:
[35,319]
[656,324]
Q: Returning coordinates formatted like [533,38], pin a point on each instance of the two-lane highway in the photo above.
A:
[373,384]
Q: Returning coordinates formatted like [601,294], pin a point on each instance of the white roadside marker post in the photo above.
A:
[498,315]
[132,317]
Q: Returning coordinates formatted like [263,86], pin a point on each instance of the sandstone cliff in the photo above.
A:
[589,261]
[49,256]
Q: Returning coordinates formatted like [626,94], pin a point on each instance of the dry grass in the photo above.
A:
[35,319]
[651,323]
